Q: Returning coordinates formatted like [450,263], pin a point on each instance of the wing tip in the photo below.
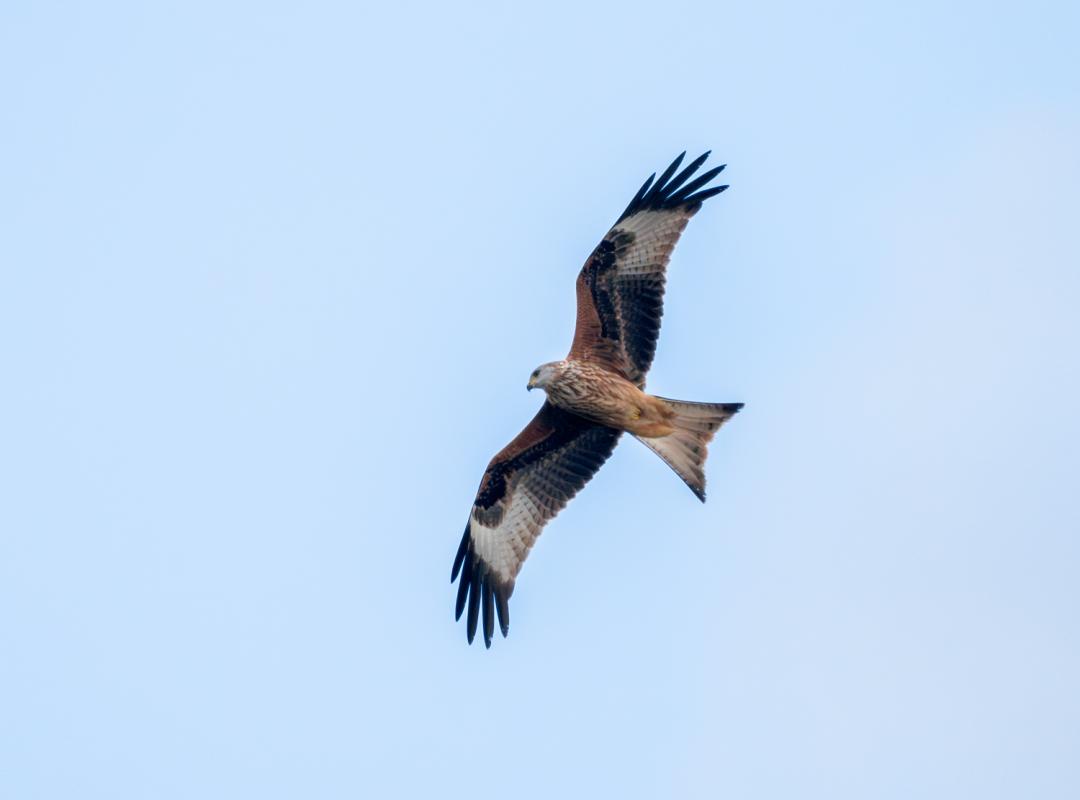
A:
[669,192]
[479,591]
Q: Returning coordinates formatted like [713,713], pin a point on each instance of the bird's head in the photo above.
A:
[543,375]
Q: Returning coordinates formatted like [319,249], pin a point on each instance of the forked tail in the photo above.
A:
[686,448]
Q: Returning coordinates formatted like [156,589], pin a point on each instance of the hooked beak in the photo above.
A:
[530,385]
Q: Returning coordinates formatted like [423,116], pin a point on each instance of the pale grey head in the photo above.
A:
[543,375]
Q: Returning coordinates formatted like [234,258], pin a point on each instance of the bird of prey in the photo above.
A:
[593,396]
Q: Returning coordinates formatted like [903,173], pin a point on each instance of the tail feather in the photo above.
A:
[686,448]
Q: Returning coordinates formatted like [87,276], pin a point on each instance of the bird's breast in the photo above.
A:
[607,398]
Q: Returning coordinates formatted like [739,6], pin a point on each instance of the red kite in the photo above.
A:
[593,396]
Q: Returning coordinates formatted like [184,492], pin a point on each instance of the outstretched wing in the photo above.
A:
[620,290]
[524,486]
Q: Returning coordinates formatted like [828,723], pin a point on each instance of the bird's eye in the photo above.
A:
[536,373]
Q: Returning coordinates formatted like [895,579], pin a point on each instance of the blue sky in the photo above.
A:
[272,279]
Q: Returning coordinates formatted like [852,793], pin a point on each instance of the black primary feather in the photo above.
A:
[463,587]
[474,605]
[502,606]
[669,193]
[691,168]
[489,611]
[684,193]
[459,559]
[663,179]
[637,197]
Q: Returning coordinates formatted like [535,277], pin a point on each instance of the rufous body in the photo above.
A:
[600,395]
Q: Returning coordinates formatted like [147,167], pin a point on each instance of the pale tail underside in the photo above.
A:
[686,449]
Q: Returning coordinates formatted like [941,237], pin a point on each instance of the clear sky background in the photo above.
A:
[272,280]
